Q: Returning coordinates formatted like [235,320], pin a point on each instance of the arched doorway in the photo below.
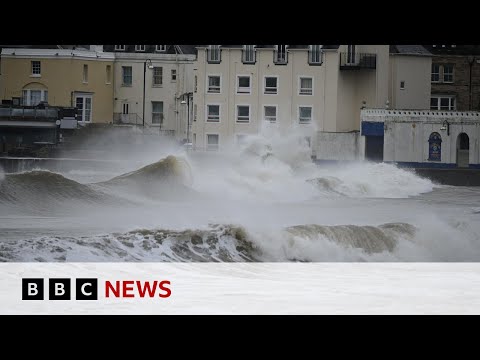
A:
[463,149]
[435,147]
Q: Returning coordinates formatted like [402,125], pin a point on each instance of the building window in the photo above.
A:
[195,84]
[85,73]
[248,55]
[157,76]
[448,73]
[442,102]
[241,139]
[174,75]
[271,85]
[270,113]
[195,112]
[243,84]
[305,114]
[213,54]
[435,147]
[243,113]
[108,74]
[280,54]
[306,86]
[212,141]
[315,54]
[36,68]
[213,113]
[126,76]
[402,85]
[157,112]
[214,84]
[435,73]
[119,47]
[139,47]
[125,109]
[161,48]
[83,103]
[34,97]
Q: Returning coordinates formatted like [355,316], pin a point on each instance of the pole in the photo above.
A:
[188,119]
[144,75]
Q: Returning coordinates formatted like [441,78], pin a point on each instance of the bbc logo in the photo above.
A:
[59,289]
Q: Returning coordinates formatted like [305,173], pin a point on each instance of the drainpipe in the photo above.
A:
[471,60]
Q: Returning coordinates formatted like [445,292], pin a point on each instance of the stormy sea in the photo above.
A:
[263,201]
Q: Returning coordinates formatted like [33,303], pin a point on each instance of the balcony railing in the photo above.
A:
[127,119]
[355,61]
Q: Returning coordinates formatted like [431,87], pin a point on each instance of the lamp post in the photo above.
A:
[446,126]
[183,102]
[150,66]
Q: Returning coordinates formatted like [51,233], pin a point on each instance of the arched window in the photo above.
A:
[34,93]
[435,147]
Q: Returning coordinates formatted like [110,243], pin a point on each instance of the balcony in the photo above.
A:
[357,61]
[127,119]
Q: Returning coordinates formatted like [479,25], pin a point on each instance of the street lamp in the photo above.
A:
[183,102]
[150,66]
[446,126]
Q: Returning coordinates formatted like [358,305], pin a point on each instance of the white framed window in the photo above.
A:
[108,74]
[36,68]
[305,85]
[448,73]
[305,114]
[126,76]
[270,85]
[174,75]
[214,54]
[248,54]
[119,47]
[243,113]
[270,113]
[213,141]
[280,54]
[435,72]
[402,85]
[214,84]
[244,84]
[442,102]
[125,108]
[213,113]
[157,76]
[315,54]
[157,112]
[351,55]
[33,97]
[85,73]
[83,103]
[139,47]
[161,48]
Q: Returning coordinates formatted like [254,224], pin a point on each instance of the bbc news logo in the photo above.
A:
[87,289]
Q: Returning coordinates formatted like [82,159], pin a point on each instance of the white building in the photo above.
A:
[153,87]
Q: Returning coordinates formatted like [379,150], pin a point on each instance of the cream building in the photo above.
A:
[153,87]
[315,89]
[81,78]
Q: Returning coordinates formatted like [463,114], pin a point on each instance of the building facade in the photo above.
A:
[153,87]
[81,78]
[312,89]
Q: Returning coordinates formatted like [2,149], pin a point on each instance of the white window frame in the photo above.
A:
[312,49]
[238,85]
[85,73]
[84,96]
[207,146]
[162,114]
[154,84]
[265,84]
[214,49]
[277,52]
[439,97]
[452,74]
[140,48]
[432,73]
[26,95]
[33,68]
[300,77]
[249,49]
[123,76]
[219,113]
[311,114]
[119,47]
[208,81]
[160,48]
[172,73]
[264,116]
[243,121]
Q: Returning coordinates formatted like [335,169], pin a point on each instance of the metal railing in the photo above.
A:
[28,113]
[127,119]
[352,61]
